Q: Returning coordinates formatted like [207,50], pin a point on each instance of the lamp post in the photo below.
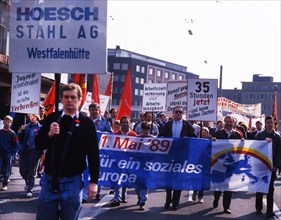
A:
[221,68]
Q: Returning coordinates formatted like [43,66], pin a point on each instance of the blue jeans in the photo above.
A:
[120,193]
[5,166]
[64,205]
[142,195]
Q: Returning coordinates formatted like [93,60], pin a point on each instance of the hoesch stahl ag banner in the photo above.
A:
[58,36]
[184,163]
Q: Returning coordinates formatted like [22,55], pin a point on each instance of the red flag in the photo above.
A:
[275,109]
[250,124]
[125,106]
[81,80]
[109,86]
[95,91]
[49,101]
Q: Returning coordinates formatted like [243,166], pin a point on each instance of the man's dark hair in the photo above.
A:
[145,125]
[219,121]
[94,105]
[147,113]
[111,110]
[124,117]
[269,117]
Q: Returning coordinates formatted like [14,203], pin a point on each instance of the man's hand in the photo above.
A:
[92,191]
[269,140]
[54,129]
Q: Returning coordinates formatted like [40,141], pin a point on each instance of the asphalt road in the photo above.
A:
[15,206]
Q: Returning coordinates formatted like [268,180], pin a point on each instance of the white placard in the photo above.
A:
[103,103]
[154,97]
[176,95]
[202,99]
[25,96]
[58,36]
[104,99]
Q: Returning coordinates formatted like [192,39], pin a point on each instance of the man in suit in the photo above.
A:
[227,133]
[69,137]
[176,128]
[272,136]
[219,126]
[258,130]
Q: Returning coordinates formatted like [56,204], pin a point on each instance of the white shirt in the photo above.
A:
[76,114]
[176,128]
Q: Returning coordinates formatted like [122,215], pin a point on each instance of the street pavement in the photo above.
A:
[15,206]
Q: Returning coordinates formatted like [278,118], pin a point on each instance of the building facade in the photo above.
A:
[260,90]
[144,69]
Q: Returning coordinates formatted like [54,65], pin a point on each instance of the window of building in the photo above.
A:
[135,103]
[141,81]
[137,68]
[158,73]
[150,71]
[2,40]
[173,76]
[137,80]
[166,75]
[142,69]
[141,92]
[115,89]
[124,66]
[122,78]
[116,78]
[180,77]
[150,81]
[136,92]
[115,101]
[116,66]
[262,96]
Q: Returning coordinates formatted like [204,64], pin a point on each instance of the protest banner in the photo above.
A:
[176,95]
[241,165]
[228,106]
[202,99]
[184,163]
[154,97]
[58,36]
[25,97]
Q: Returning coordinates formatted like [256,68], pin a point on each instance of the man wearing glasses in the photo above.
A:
[176,128]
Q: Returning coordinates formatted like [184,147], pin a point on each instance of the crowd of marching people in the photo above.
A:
[28,144]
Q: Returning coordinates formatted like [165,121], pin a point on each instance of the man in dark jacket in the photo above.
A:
[269,135]
[227,133]
[176,128]
[69,137]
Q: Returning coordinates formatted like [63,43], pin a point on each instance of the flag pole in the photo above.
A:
[57,79]
[111,90]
